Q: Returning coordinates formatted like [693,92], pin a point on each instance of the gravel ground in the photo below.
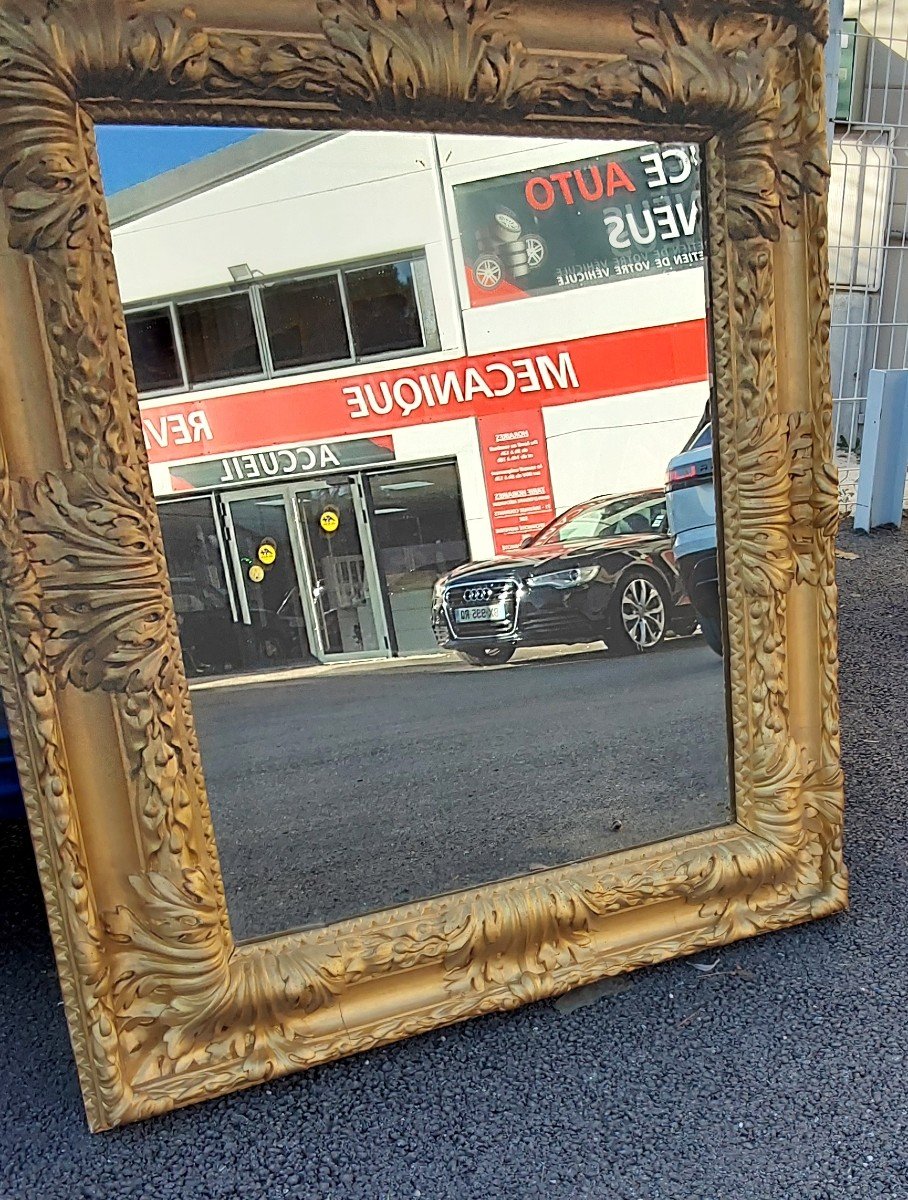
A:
[469,789]
[780,1075]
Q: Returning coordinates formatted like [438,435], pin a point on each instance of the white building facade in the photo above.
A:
[365,358]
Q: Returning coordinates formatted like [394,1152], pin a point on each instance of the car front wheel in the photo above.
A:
[488,656]
[637,614]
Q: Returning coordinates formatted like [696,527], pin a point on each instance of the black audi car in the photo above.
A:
[602,571]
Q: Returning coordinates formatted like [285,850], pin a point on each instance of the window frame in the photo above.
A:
[421,281]
[170,307]
[259,289]
[367,266]
[249,377]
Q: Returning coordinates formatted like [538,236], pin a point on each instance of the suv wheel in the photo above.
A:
[638,614]
[488,656]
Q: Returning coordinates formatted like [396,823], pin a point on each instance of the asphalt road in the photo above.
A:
[338,794]
[781,1075]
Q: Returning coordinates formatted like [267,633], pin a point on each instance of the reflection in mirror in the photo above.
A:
[428,425]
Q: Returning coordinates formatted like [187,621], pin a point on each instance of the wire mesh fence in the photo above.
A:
[868,215]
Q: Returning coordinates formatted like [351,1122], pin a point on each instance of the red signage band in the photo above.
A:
[515,464]
[479,386]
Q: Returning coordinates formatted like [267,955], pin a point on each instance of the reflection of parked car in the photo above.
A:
[691,502]
[603,570]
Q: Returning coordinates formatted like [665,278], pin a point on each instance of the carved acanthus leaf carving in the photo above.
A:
[45,191]
[711,72]
[448,56]
[693,70]
[765,516]
[108,625]
[31,709]
[488,934]
[181,986]
[103,603]
[487,937]
[822,801]
[804,514]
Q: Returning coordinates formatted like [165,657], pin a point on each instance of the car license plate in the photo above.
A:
[481,612]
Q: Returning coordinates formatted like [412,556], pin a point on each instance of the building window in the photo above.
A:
[305,322]
[219,338]
[383,308]
[154,350]
[341,316]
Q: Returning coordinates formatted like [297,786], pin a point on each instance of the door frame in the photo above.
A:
[399,466]
[370,562]
[304,567]
[219,531]
[239,579]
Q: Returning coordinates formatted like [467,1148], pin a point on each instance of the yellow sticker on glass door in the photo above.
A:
[267,553]
[329,520]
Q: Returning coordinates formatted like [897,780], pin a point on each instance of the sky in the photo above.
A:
[131,154]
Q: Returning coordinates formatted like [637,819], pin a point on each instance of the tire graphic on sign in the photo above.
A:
[487,272]
[508,253]
[535,250]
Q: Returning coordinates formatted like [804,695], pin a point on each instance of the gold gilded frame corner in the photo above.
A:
[164,1008]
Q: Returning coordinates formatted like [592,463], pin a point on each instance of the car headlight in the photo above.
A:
[564,579]
[438,591]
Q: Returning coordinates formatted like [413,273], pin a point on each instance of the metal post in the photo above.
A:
[884,452]
[833,57]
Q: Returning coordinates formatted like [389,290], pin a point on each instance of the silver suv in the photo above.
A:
[691,502]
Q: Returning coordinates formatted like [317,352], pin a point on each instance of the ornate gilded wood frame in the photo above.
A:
[163,1007]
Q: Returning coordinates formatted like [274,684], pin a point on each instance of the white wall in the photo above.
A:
[364,195]
[634,303]
[353,197]
[620,443]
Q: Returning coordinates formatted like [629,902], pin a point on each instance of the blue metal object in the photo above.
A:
[11,806]
[884,452]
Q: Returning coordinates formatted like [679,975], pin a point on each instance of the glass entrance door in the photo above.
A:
[268,583]
[346,599]
[419,533]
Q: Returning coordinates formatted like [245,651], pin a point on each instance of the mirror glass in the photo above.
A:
[428,424]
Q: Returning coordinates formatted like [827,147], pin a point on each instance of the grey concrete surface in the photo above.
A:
[338,794]
[779,1076]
